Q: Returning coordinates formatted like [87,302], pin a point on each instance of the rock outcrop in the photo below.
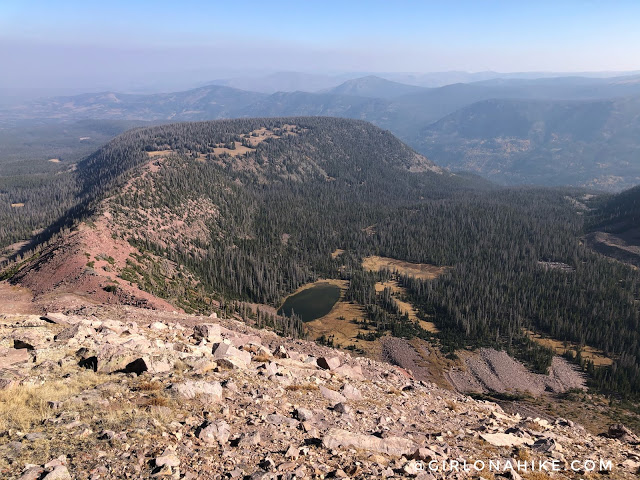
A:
[121,392]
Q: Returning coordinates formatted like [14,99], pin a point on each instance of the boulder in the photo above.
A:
[237,358]
[328,363]
[207,331]
[396,446]
[168,459]
[76,332]
[214,432]
[35,338]
[32,473]
[332,395]
[58,473]
[304,414]
[210,392]
[622,433]
[351,393]
[348,371]
[505,440]
[13,356]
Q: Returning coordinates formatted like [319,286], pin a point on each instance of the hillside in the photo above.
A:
[251,210]
[562,147]
[127,392]
[614,226]
[374,87]
[590,143]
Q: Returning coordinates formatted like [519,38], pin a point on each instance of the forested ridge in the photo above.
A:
[616,213]
[258,224]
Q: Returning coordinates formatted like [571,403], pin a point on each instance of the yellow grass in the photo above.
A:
[590,353]
[338,322]
[405,307]
[336,253]
[160,153]
[17,205]
[422,271]
[25,406]
[254,138]
[54,160]
[304,387]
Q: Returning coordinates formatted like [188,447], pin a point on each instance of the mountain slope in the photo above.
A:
[196,192]
[199,104]
[592,143]
[210,397]
[614,226]
[374,87]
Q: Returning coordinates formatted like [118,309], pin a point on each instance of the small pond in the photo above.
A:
[311,303]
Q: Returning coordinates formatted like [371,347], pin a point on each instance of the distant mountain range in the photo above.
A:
[549,131]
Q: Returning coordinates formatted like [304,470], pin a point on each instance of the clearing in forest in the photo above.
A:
[342,323]
[251,140]
[398,292]
[423,271]
[598,357]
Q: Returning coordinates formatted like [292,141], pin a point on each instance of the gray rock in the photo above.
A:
[210,392]
[168,458]
[250,439]
[395,446]
[207,331]
[32,473]
[214,432]
[237,358]
[351,393]
[59,473]
[304,414]
[342,408]
[329,363]
[13,356]
[332,395]
[75,332]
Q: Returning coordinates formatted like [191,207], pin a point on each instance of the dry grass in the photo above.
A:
[537,476]
[17,205]
[422,271]
[160,153]
[589,353]
[336,253]
[451,405]
[523,454]
[302,387]
[25,406]
[261,358]
[405,307]
[150,386]
[155,401]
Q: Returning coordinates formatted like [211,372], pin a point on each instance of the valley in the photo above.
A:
[333,230]
[319,240]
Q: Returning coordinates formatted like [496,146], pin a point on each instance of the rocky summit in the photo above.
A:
[122,392]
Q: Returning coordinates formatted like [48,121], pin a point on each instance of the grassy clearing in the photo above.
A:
[423,271]
[339,322]
[398,293]
[336,253]
[589,353]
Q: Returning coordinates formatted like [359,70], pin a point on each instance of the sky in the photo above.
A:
[135,43]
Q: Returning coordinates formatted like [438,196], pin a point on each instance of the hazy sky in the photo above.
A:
[113,43]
